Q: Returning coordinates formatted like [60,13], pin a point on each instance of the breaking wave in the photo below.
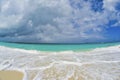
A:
[97,64]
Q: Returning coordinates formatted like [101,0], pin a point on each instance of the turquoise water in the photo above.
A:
[58,47]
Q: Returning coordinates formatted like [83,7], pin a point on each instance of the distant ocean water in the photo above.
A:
[58,47]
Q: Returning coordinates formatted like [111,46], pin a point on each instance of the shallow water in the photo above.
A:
[58,47]
[96,64]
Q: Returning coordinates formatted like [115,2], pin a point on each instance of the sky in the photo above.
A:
[59,21]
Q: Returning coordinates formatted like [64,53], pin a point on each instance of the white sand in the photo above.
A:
[98,64]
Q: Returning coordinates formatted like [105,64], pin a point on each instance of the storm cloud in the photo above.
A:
[56,21]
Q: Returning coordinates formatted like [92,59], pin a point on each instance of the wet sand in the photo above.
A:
[97,64]
[11,75]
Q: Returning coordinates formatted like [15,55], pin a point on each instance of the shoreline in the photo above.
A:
[31,65]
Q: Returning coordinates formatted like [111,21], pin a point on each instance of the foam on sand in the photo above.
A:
[97,64]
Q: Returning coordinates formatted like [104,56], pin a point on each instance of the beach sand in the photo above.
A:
[11,75]
[96,64]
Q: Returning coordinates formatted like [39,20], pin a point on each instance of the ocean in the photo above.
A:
[62,62]
[58,47]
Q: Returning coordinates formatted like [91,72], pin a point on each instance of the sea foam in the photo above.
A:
[97,64]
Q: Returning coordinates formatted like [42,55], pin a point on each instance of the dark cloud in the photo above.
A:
[55,21]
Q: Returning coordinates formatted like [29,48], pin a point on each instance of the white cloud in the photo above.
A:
[110,4]
[53,20]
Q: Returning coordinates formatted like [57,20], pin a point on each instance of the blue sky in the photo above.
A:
[59,21]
